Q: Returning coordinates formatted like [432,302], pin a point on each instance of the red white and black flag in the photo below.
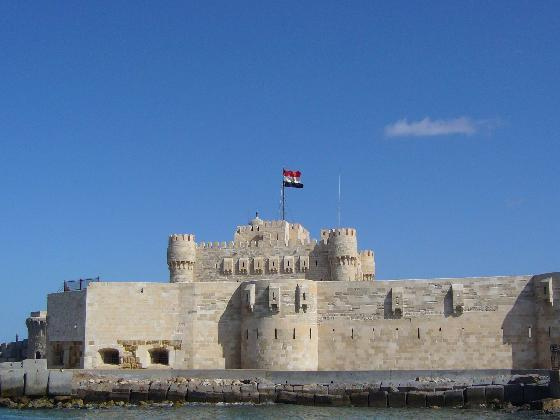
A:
[292,179]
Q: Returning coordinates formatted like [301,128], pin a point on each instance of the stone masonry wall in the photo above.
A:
[358,330]
[133,318]
[547,329]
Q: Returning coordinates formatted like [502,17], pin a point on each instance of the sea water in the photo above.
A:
[273,411]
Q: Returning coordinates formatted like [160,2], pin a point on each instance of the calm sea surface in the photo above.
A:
[208,411]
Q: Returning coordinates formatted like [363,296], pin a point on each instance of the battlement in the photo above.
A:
[187,237]
[253,244]
[366,253]
[341,232]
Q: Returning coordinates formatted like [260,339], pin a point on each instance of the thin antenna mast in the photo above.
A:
[339,199]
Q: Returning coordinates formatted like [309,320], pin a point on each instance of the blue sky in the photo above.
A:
[123,122]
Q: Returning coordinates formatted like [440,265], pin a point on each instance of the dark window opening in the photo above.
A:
[159,356]
[38,354]
[246,334]
[310,333]
[58,358]
[544,290]
[294,336]
[110,356]
[352,333]
[316,263]
[275,334]
[257,333]
[418,333]
[439,329]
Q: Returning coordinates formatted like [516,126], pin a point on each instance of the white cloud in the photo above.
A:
[428,127]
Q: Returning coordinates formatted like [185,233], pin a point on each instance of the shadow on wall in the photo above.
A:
[518,329]
[229,331]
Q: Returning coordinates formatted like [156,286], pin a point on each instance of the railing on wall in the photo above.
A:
[80,284]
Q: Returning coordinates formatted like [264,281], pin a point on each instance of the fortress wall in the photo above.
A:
[547,329]
[66,316]
[216,320]
[132,318]
[284,338]
[358,331]
[65,328]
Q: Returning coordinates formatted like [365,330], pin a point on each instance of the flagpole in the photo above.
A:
[283,196]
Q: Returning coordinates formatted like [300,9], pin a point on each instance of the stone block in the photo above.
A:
[249,397]
[10,365]
[513,393]
[416,399]
[94,392]
[205,396]
[435,399]
[331,400]
[139,392]
[494,394]
[475,396]
[267,392]
[158,391]
[60,382]
[248,388]
[337,389]
[453,398]
[121,392]
[287,397]
[354,388]
[305,398]
[33,364]
[12,382]
[396,399]
[535,392]
[359,399]
[36,382]
[177,392]
[315,388]
[378,399]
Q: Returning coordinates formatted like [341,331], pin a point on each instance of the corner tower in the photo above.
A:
[181,258]
[344,260]
[37,335]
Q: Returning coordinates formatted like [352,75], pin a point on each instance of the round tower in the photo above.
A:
[279,325]
[368,264]
[181,258]
[343,254]
[37,335]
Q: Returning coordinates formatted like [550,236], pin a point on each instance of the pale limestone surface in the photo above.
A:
[259,303]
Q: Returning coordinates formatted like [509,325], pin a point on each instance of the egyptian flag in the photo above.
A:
[292,179]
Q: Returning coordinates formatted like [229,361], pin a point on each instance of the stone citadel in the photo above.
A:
[275,299]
